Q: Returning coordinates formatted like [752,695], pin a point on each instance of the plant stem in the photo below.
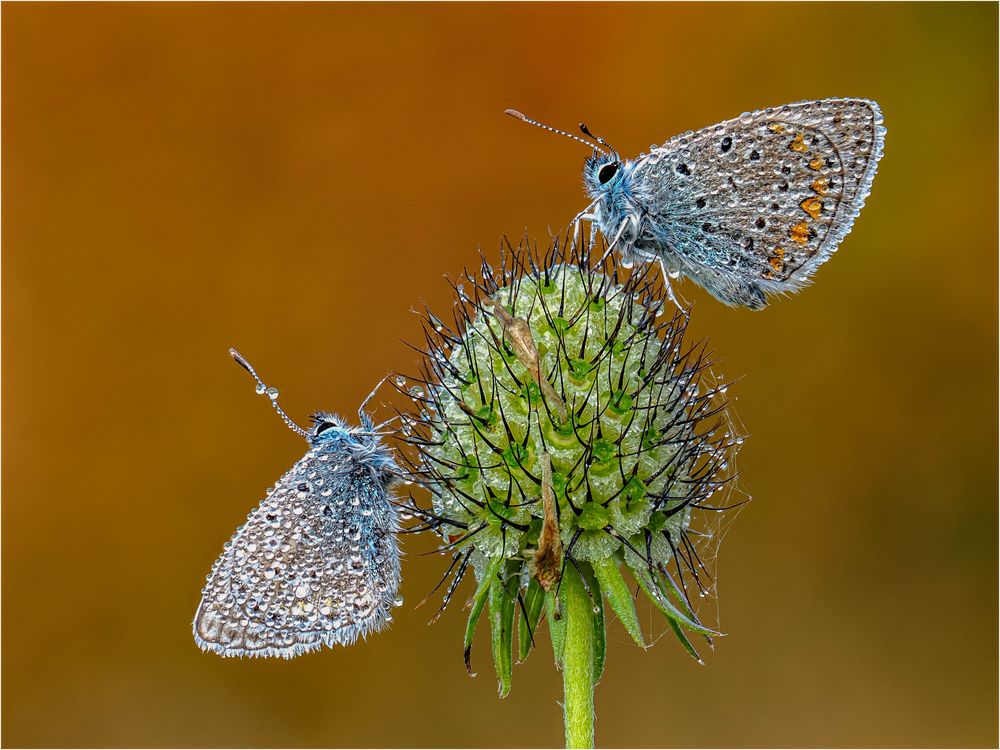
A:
[578,661]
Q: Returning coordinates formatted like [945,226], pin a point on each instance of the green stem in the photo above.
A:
[578,661]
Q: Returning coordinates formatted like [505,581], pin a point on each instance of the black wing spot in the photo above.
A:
[727,143]
[754,155]
[760,223]
[682,168]
[700,203]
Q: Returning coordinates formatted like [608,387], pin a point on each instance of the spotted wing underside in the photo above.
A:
[315,564]
[756,204]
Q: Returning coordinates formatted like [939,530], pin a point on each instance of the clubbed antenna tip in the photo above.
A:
[523,118]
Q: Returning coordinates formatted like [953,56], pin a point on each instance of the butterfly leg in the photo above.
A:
[614,242]
[587,214]
[684,308]
[588,217]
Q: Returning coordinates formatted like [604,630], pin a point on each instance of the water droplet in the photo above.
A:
[260,389]
[272,393]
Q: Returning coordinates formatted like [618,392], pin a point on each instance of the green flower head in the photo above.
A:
[562,429]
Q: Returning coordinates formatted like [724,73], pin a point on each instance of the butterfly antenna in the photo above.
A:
[271,393]
[523,118]
[608,146]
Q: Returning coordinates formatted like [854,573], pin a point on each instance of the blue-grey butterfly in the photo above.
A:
[746,208]
[316,563]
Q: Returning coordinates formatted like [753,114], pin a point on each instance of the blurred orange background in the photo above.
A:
[293,179]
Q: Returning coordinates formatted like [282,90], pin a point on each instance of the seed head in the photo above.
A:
[559,420]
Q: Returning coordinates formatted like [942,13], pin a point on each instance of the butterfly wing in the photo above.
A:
[315,564]
[756,204]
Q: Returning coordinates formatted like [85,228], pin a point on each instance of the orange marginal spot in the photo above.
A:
[776,127]
[800,233]
[816,164]
[821,186]
[776,261]
[799,144]
[812,206]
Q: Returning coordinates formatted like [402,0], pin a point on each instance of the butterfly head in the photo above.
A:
[330,428]
[363,442]
[601,172]
[327,427]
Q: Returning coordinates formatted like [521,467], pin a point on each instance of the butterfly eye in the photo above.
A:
[324,427]
[606,172]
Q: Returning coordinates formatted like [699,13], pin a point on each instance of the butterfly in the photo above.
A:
[316,563]
[747,208]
